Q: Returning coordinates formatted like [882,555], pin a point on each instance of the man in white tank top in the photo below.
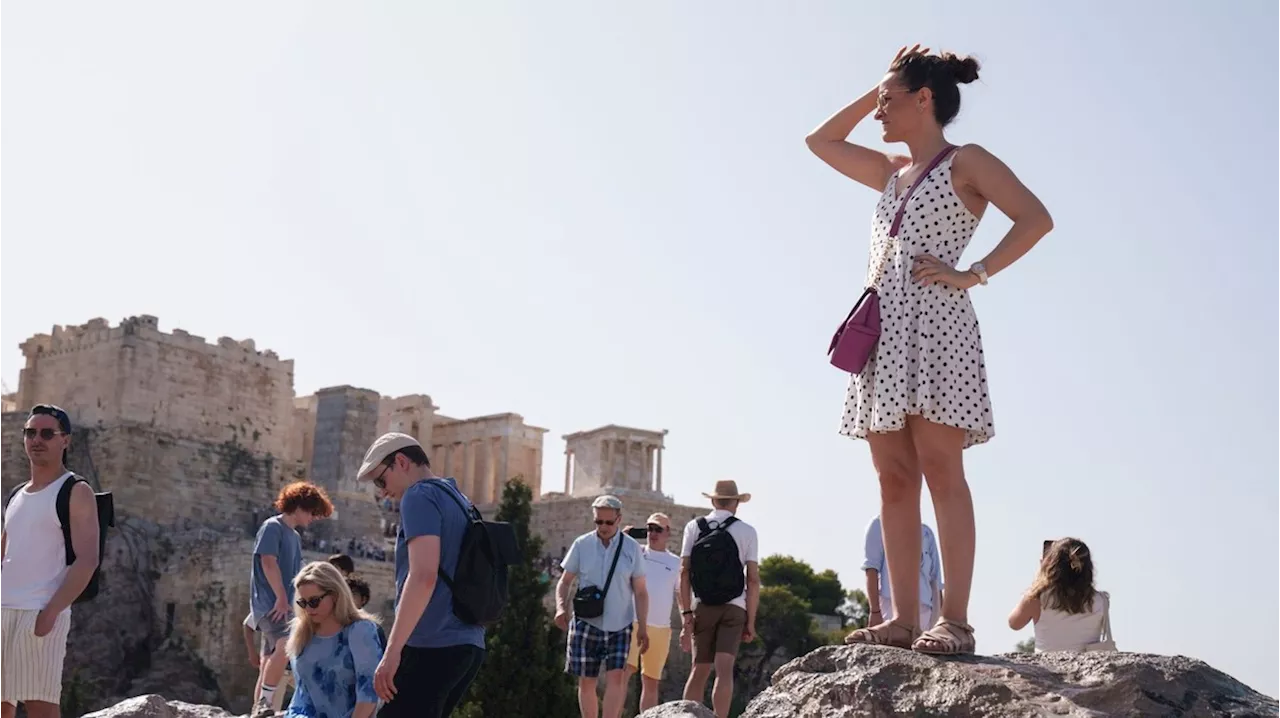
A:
[37,587]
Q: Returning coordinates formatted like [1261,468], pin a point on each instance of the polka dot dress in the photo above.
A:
[929,357]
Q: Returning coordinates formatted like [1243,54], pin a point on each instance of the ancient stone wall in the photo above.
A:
[483,453]
[175,382]
[346,424]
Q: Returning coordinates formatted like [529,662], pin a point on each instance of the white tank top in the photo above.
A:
[35,559]
[1058,630]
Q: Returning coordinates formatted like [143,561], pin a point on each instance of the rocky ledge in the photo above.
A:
[154,706]
[857,681]
[869,681]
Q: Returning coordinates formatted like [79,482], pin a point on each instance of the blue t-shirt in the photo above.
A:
[334,673]
[591,560]
[274,539]
[427,510]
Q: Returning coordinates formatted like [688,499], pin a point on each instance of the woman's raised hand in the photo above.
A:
[903,52]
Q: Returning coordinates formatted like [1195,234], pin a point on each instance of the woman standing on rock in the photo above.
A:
[921,398]
[334,648]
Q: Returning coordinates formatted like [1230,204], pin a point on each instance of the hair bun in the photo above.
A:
[963,69]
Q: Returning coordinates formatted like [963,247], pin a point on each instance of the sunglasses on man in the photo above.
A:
[45,434]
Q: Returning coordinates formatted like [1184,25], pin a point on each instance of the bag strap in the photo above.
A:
[473,514]
[617,553]
[1106,617]
[63,507]
[902,210]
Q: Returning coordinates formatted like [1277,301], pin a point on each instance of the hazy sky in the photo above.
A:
[588,215]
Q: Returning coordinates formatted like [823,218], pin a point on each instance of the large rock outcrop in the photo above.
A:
[678,709]
[154,706]
[858,681]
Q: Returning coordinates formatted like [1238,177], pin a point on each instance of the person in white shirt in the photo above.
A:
[718,607]
[1068,611]
[39,583]
[662,569]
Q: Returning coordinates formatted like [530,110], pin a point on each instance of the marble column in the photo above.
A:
[495,467]
[658,488]
[471,468]
[568,465]
[447,464]
[648,467]
[606,453]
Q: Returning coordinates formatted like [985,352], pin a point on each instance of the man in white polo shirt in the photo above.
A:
[661,569]
[719,593]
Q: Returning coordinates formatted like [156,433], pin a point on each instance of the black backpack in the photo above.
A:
[106,519]
[479,582]
[714,567]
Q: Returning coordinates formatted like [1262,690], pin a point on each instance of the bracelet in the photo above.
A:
[686,613]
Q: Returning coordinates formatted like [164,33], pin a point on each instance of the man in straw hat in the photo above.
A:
[719,593]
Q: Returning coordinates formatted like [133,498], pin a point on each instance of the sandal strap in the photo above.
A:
[953,635]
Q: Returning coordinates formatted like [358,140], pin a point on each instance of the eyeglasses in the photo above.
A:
[312,602]
[605,522]
[882,100]
[379,481]
[656,528]
[46,434]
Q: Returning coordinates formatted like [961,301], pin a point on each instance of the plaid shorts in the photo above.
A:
[588,647]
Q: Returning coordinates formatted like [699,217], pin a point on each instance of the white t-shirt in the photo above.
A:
[743,534]
[661,569]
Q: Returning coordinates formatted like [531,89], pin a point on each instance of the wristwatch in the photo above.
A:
[980,270]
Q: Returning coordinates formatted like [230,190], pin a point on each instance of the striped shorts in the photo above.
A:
[30,667]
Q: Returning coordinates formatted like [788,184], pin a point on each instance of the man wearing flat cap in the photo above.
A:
[610,573]
[431,655]
[719,593]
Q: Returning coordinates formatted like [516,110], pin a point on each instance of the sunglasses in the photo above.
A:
[311,602]
[605,522]
[46,434]
[656,528]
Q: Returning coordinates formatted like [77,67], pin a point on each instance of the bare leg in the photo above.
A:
[615,693]
[648,692]
[695,689]
[940,452]
[722,692]
[894,456]
[588,701]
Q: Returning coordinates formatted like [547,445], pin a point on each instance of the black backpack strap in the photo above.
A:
[703,527]
[473,514]
[728,522]
[14,493]
[617,553]
[63,506]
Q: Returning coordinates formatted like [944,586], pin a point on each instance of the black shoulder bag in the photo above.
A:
[589,602]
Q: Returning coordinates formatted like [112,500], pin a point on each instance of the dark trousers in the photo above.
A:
[431,681]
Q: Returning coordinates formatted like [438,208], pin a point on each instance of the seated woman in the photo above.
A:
[1067,610]
[333,648]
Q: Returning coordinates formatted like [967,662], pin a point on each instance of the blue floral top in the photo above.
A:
[334,673]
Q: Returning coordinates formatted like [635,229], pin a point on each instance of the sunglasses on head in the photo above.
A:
[46,434]
[312,602]
[605,522]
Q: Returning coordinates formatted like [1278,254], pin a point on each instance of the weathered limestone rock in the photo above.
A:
[154,706]
[678,709]
[857,681]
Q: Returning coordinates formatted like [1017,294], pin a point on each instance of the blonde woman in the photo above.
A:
[1068,611]
[333,648]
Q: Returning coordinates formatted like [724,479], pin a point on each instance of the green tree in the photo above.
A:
[523,671]
[855,611]
[1027,646]
[822,591]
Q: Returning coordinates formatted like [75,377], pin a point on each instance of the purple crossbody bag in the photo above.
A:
[857,335]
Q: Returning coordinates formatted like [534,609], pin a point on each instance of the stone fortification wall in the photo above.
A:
[175,382]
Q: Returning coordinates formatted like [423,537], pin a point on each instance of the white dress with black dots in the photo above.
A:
[929,357]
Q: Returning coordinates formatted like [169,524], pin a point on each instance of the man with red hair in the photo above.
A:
[277,558]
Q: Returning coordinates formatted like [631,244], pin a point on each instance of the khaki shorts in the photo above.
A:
[655,658]
[31,667]
[717,629]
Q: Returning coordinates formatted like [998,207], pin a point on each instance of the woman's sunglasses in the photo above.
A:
[312,602]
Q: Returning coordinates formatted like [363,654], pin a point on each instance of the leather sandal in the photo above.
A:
[947,638]
[889,633]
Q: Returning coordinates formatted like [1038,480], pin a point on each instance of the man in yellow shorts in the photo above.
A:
[662,568]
